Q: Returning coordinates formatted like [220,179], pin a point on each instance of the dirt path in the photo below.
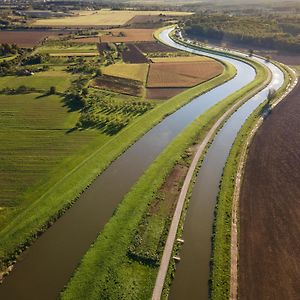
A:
[235,202]
[159,284]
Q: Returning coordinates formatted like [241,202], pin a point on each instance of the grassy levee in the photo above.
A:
[107,271]
[221,257]
[58,193]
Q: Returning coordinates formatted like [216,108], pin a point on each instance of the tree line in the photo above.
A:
[274,33]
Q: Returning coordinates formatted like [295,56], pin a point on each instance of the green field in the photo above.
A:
[33,145]
[41,80]
[130,71]
[65,48]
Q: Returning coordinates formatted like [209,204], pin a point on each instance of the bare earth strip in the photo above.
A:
[159,284]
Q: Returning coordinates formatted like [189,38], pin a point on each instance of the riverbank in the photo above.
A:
[225,237]
[119,272]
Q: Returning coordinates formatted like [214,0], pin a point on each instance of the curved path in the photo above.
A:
[45,268]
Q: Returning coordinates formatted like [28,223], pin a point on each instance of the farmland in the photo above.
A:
[154,47]
[24,38]
[127,35]
[182,74]
[130,71]
[131,54]
[35,142]
[179,59]
[269,208]
[122,35]
[119,85]
[100,18]
[42,80]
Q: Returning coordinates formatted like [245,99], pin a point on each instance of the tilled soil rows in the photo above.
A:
[269,263]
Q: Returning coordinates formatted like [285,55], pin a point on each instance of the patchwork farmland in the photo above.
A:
[101,18]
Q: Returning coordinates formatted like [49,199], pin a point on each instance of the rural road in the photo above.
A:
[159,284]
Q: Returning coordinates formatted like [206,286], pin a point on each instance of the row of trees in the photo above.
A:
[110,115]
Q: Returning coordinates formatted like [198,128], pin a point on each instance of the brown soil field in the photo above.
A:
[24,38]
[117,84]
[102,47]
[151,19]
[123,35]
[269,263]
[182,74]
[133,55]
[150,47]
[86,40]
[162,93]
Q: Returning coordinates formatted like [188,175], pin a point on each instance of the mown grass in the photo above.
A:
[107,274]
[41,80]
[33,144]
[60,187]
[221,257]
[67,48]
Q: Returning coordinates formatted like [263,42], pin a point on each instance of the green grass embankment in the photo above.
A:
[61,190]
[107,271]
[221,258]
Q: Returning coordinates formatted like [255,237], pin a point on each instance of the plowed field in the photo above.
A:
[269,263]
[24,38]
[182,74]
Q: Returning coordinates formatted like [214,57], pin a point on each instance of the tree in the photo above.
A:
[52,90]
[98,72]
[271,94]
